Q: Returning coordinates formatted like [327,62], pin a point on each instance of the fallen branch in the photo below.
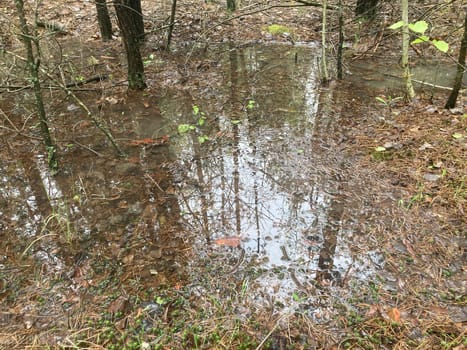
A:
[87,81]
[51,26]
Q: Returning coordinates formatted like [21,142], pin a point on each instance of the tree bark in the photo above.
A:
[105,25]
[137,17]
[172,23]
[366,8]
[324,65]
[33,66]
[341,41]
[131,34]
[451,103]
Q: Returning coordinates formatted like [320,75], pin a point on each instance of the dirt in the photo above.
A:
[137,252]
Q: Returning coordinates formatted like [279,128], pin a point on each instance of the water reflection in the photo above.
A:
[273,175]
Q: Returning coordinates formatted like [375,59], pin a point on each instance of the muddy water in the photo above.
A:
[268,191]
[259,190]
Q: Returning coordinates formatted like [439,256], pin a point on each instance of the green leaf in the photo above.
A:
[382,100]
[184,128]
[418,27]
[159,300]
[201,121]
[195,110]
[441,45]
[235,122]
[457,135]
[295,297]
[202,139]
[421,39]
[397,25]
[380,149]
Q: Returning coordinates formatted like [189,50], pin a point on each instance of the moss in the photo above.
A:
[276,29]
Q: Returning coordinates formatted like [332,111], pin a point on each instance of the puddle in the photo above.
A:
[258,186]
[269,188]
[427,75]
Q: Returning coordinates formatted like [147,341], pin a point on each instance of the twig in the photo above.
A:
[424,83]
[98,123]
[87,81]
[34,241]
[271,331]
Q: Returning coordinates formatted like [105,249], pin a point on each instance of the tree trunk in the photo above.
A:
[33,66]
[103,18]
[451,103]
[324,65]
[131,35]
[366,8]
[137,13]
[341,41]
[172,23]
[405,50]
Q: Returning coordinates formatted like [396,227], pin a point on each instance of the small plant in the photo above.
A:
[200,121]
[420,28]
[388,101]
[149,60]
[380,153]
[251,104]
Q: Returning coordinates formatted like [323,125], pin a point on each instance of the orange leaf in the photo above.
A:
[233,241]
[394,314]
[149,141]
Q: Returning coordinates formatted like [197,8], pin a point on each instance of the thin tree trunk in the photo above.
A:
[323,45]
[451,103]
[130,35]
[172,23]
[341,41]
[33,66]
[405,50]
[105,25]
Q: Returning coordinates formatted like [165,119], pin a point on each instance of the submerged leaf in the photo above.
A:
[233,241]
[184,128]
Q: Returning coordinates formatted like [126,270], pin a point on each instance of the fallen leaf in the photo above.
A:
[394,314]
[150,142]
[233,241]
[119,305]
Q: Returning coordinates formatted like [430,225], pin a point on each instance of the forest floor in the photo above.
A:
[418,149]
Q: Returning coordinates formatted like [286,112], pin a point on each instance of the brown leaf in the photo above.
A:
[120,304]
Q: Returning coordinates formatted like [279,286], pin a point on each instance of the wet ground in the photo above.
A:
[240,180]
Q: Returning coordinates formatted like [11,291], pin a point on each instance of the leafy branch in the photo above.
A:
[420,28]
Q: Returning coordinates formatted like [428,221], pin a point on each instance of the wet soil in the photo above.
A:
[255,206]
